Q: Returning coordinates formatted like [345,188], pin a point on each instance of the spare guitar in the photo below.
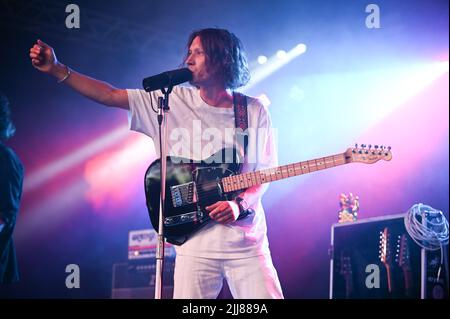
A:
[193,185]
[385,255]
[402,258]
[346,271]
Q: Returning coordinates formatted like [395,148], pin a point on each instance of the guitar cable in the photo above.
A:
[428,227]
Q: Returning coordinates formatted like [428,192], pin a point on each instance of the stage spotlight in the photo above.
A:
[58,166]
[281,54]
[300,48]
[262,59]
[272,64]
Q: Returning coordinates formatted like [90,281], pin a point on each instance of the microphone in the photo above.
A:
[167,79]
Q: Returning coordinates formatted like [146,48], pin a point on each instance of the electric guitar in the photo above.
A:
[192,185]
[346,272]
[385,255]
[402,258]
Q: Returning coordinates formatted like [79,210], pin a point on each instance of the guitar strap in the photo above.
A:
[241,123]
[241,120]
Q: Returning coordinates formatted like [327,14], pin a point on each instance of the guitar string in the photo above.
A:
[267,175]
[277,170]
[263,178]
[261,175]
[240,185]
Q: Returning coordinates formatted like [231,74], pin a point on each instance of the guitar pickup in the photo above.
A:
[192,217]
[183,194]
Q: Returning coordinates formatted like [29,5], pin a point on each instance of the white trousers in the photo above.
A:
[247,278]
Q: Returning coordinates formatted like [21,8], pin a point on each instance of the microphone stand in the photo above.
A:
[163,108]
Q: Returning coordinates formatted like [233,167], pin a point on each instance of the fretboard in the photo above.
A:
[242,181]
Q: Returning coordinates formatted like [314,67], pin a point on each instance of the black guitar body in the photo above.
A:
[190,187]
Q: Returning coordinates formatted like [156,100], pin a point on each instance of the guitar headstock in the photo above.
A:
[402,255]
[368,154]
[345,264]
[385,247]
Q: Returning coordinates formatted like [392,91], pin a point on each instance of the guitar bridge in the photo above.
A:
[184,194]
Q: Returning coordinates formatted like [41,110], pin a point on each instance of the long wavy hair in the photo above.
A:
[7,128]
[224,53]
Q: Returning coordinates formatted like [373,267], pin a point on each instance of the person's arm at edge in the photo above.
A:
[44,59]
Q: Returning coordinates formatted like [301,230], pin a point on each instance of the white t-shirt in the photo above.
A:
[197,130]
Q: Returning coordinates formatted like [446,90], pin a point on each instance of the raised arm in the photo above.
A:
[44,59]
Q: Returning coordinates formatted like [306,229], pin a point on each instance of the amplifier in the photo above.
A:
[142,245]
[136,279]
[377,258]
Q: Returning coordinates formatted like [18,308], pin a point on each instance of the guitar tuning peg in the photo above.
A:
[376,146]
[363,145]
[389,148]
[370,146]
[356,145]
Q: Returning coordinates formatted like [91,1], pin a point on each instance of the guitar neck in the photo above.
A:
[246,180]
[389,277]
[348,286]
[407,275]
